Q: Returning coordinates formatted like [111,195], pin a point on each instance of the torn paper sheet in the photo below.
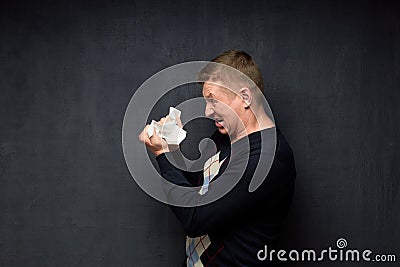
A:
[170,131]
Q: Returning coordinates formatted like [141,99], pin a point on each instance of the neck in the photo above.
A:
[254,123]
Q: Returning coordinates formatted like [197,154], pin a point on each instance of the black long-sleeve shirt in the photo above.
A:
[240,223]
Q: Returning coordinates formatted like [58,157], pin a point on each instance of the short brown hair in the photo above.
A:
[243,62]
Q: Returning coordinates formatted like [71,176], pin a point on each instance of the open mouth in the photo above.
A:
[219,123]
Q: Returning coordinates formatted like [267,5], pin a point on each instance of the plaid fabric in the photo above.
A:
[210,170]
[196,246]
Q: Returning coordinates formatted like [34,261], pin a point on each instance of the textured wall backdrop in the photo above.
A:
[69,68]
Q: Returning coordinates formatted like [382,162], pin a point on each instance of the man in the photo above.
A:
[231,230]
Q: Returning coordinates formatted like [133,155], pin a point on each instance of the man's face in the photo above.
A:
[225,108]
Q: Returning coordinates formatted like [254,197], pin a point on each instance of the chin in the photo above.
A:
[223,130]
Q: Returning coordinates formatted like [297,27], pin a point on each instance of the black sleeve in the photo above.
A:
[204,219]
[193,177]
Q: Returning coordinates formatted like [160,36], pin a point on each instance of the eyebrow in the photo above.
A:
[209,95]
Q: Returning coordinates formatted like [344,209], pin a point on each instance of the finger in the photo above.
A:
[158,141]
[154,133]
[141,135]
[147,141]
[144,137]
[155,139]
[163,120]
[161,142]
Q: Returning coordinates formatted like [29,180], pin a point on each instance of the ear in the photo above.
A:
[246,96]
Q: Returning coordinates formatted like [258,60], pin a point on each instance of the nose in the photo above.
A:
[209,110]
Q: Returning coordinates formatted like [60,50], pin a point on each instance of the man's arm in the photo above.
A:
[229,209]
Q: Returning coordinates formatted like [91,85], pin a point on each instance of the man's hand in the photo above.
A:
[155,143]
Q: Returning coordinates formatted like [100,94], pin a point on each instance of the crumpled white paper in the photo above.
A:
[170,131]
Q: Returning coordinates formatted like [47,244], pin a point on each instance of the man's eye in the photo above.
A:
[211,101]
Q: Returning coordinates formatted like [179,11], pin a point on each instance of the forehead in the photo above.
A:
[212,89]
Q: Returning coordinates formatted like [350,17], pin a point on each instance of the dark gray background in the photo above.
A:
[68,70]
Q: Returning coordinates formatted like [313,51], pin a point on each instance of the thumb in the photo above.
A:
[155,139]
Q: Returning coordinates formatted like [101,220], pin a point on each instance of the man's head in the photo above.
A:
[232,88]
[243,62]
